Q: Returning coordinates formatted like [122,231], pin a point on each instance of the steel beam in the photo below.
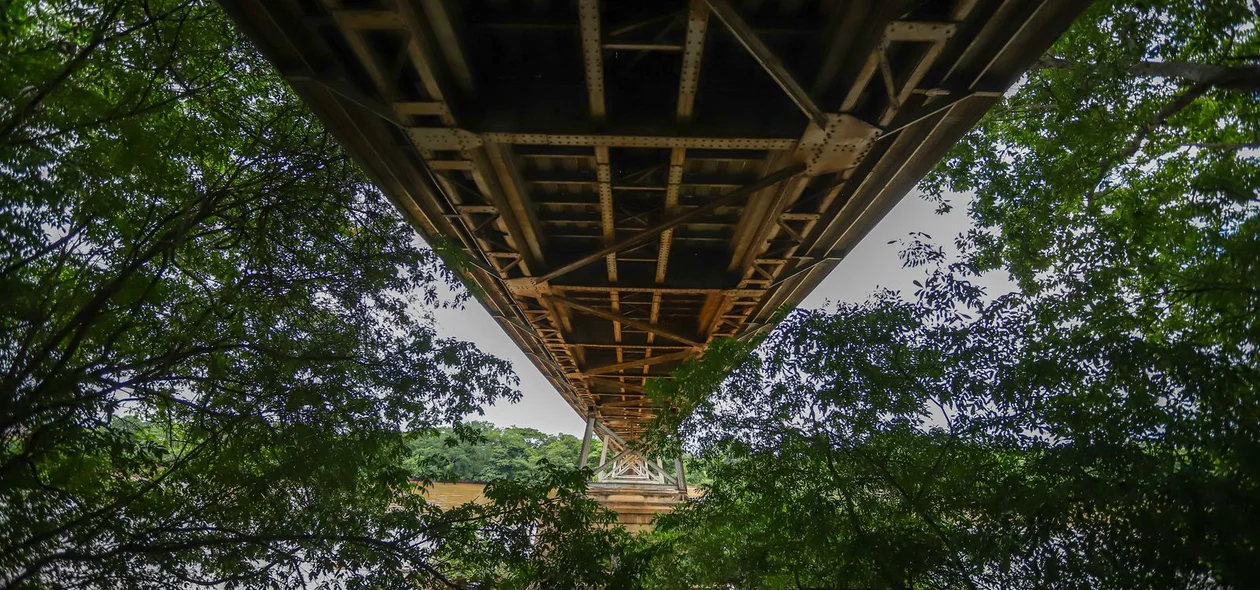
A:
[592,56]
[680,476]
[448,42]
[614,383]
[746,37]
[688,82]
[656,360]
[693,52]
[650,233]
[644,141]
[603,177]
[517,199]
[586,438]
[646,327]
[615,46]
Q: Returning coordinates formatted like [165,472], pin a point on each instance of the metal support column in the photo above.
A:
[586,438]
[680,475]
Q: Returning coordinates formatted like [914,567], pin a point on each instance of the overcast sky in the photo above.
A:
[871,265]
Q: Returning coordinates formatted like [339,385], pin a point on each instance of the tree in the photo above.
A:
[212,337]
[489,453]
[1097,427]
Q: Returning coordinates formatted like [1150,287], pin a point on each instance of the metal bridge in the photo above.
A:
[631,179]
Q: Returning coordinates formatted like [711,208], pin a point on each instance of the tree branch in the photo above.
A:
[1245,77]
[1184,100]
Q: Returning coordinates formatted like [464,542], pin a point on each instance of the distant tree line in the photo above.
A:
[482,451]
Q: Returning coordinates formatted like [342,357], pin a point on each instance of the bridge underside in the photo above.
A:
[629,180]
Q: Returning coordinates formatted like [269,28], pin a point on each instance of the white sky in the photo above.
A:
[871,265]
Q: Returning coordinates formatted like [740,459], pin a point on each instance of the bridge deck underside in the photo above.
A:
[629,180]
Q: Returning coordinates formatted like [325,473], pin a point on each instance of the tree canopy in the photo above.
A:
[213,341]
[216,367]
[1098,426]
[483,452]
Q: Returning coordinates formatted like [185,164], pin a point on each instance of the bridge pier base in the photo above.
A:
[636,504]
[630,483]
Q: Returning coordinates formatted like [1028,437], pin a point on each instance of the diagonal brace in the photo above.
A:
[650,233]
[614,383]
[633,323]
[744,34]
[655,360]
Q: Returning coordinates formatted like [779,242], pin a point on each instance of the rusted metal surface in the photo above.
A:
[634,179]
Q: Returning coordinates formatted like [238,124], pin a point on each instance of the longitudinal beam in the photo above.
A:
[641,141]
[688,82]
[593,56]
[693,51]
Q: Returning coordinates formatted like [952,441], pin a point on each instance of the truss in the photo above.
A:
[624,463]
[634,179]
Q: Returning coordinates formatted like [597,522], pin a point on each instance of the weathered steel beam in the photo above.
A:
[693,51]
[918,31]
[603,176]
[933,108]
[655,360]
[688,82]
[643,22]
[677,158]
[517,199]
[646,327]
[650,345]
[640,402]
[654,317]
[448,42]
[644,141]
[614,383]
[662,289]
[841,34]
[620,46]
[651,233]
[746,37]
[491,187]
[586,439]
[592,56]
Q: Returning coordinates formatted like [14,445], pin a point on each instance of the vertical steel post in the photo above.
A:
[680,475]
[586,438]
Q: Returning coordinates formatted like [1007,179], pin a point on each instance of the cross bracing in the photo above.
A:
[630,180]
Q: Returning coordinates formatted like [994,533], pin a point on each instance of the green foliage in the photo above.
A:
[212,353]
[691,384]
[483,452]
[1098,427]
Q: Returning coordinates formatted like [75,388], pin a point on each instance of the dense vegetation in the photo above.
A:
[216,369]
[484,452]
[1099,426]
[212,337]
